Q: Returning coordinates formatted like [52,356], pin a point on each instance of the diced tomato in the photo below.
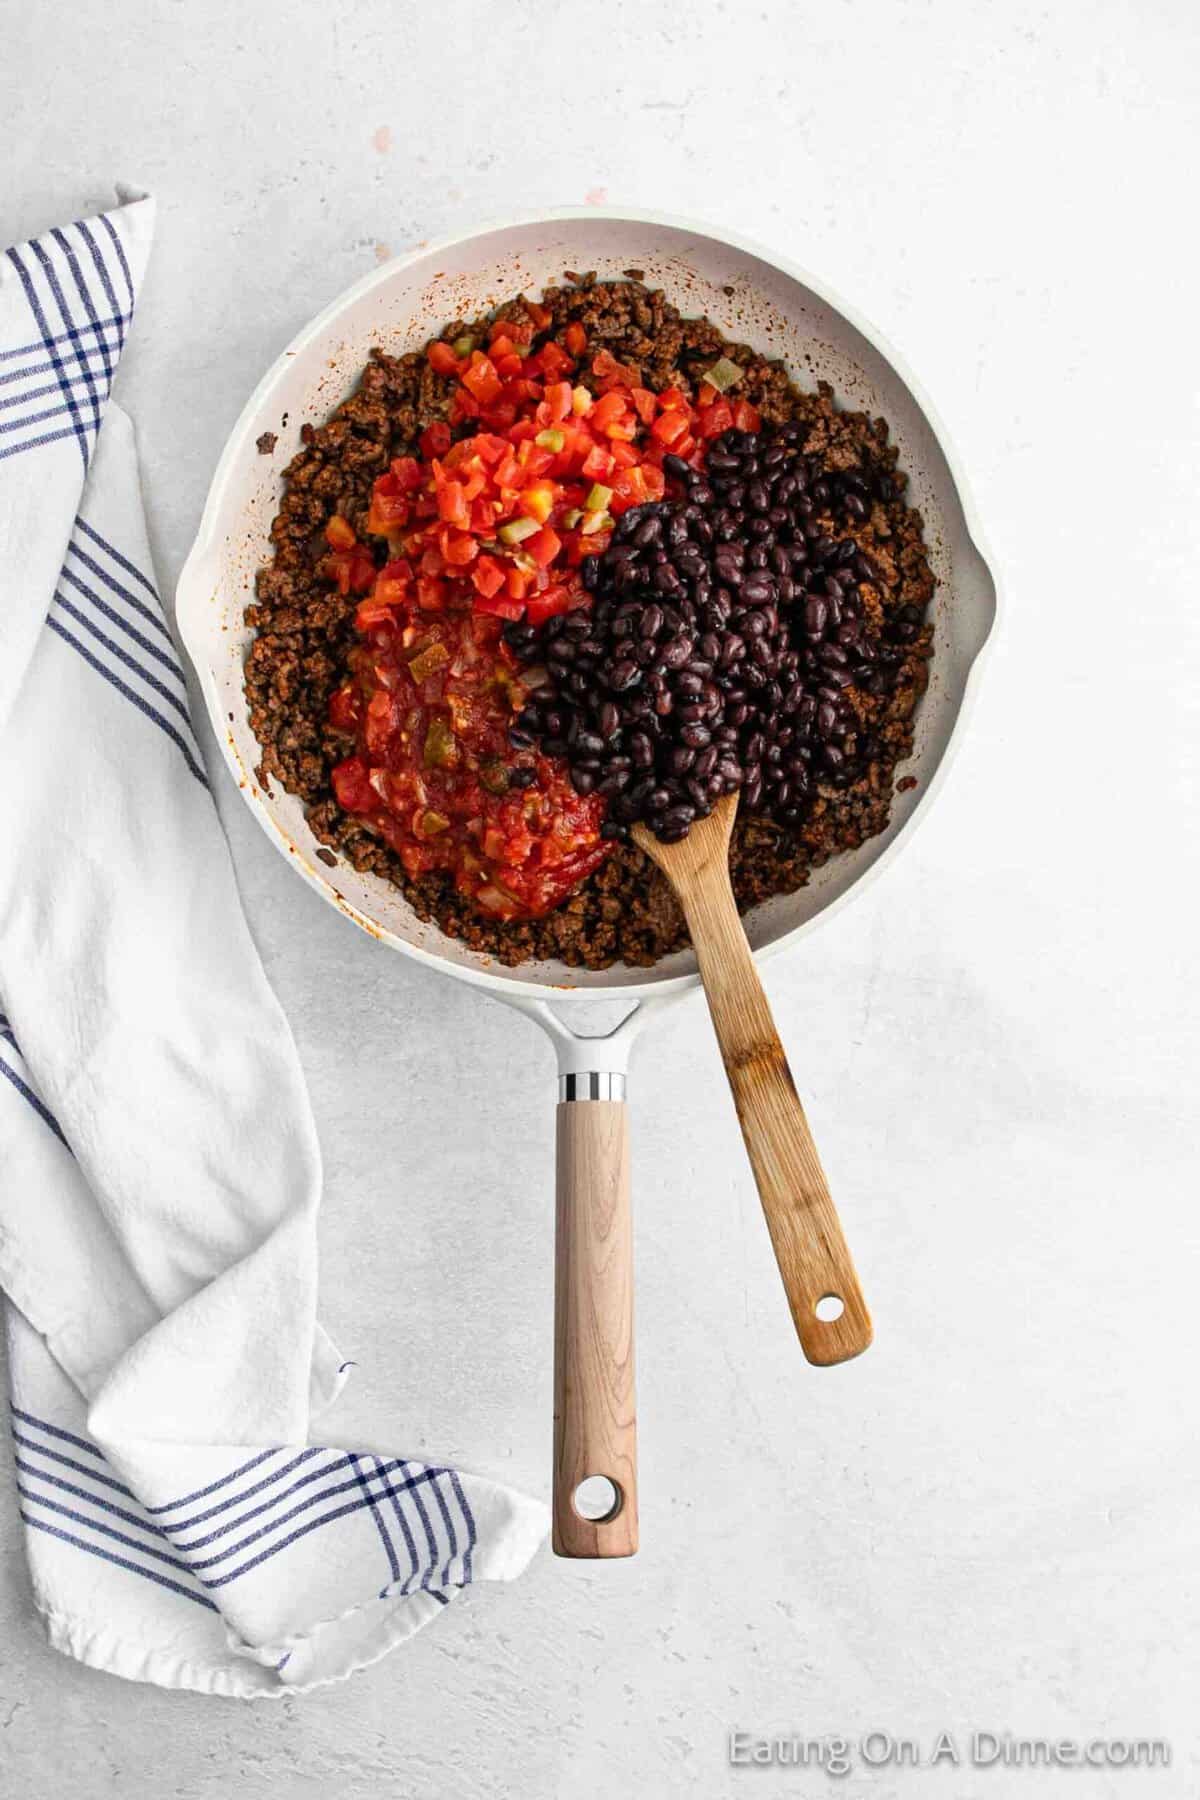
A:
[388,512]
[487,576]
[390,589]
[339,533]
[746,417]
[442,359]
[544,546]
[481,380]
[607,411]
[353,570]
[537,501]
[672,400]
[554,362]
[598,464]
[452,505]
[407,473]
[345,707]
[373,612]
[575,338]
[643,403]
[499,606]
[458,548]
[656,481]
[352,785]
[431,593]
[557,401]
[516,582]
[533,459]
[628,489]
[670,427]
[715,419]
[435,439]
[542,317]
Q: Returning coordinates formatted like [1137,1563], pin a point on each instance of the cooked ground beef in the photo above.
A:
[303,626]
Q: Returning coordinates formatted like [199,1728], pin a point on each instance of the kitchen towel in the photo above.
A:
[159,1170]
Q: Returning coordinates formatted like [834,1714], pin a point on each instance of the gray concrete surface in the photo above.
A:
[991,1521]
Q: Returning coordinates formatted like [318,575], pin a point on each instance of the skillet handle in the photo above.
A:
[595,1415]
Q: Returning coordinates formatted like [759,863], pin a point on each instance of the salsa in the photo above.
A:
[543,451]
[429,703]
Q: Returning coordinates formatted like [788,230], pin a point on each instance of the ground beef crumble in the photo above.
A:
[303,628]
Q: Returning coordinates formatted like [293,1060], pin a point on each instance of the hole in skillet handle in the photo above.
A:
[829,1307]
[597,1499]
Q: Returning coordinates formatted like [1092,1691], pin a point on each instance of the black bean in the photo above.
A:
[694,671]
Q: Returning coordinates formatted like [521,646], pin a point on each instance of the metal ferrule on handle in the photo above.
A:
[592,1084]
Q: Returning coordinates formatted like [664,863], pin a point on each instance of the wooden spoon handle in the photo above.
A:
[595,1415]
[813,1256]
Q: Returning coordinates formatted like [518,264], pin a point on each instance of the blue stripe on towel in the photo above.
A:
[123,561]
[106,356]
[143,706]
[382,1529]
[26,1092]
[202,1493]
[122,1562]
[372,1486]
[469,1516]
[122,655]
[68,1462]
[118,317]
[340,1512]
[167,658]
[234,1523]
[69,1487]
[430,1537]
[111,229]
[449,1524]
[57,1431]
[109,1531]
[347,1461]
[101,574]
[42,345]
[60,368]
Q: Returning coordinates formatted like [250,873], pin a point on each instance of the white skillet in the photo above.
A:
[752,297]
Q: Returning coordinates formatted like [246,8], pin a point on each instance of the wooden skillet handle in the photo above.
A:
[813,1256]
[595,1416]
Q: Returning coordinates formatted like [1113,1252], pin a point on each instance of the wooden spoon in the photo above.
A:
[813,1257]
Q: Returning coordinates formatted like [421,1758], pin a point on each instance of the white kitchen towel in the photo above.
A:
[159,1171]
